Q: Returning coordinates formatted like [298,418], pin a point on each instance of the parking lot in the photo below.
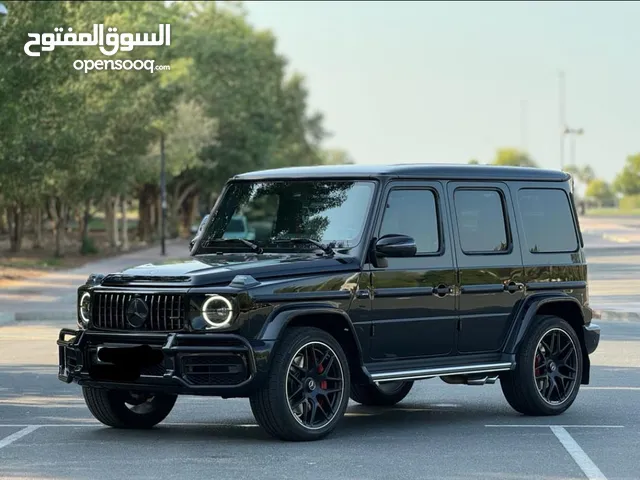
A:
[439,431]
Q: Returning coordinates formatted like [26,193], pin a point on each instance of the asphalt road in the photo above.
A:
[439,431]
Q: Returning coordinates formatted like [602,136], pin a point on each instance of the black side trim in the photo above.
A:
[535,286]
[403,292]
[488,288]
[302,296]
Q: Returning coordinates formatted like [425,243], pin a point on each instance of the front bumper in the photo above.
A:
[224,365]
[591,337]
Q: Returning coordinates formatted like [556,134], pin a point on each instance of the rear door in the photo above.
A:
[489,261]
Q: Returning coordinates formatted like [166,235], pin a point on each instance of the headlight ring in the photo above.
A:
[85,308]
[217,311]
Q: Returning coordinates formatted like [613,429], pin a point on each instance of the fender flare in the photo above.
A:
[278,320]
[529,309]
[524,321]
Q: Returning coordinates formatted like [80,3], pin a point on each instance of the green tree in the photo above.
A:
[513,157]
[599,191]
[627,182]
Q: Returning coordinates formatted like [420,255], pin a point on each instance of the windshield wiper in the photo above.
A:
[254,246]
[325,248]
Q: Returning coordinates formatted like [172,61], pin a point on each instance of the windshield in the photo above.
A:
[329,212]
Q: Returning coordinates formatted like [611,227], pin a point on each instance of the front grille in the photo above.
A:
[214,369]
[165,311]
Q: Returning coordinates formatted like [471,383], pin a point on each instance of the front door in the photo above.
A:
[413,303]
[490,263]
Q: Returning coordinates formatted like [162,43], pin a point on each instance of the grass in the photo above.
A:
[613,212]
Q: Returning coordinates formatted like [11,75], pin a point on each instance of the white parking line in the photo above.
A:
[581,458]
[18,435]
[509,425]
[571,446]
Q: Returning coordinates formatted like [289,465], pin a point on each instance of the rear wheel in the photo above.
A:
[307,390]
[548,370]
[381,394]
[123,409]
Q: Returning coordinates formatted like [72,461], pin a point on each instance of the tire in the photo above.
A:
[384,395]
[271,406]
[110,407]
[519,385]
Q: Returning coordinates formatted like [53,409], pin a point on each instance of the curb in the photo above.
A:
[615,316]
[7,318]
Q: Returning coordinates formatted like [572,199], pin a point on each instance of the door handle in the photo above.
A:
[442,290]
[512,287]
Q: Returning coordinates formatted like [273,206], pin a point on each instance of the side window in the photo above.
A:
[413,213]
[544,211]
[481,221]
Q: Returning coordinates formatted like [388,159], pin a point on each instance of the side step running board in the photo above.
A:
[436,372]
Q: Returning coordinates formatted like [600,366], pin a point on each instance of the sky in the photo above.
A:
[405,82]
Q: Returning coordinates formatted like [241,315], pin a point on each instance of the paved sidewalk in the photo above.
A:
[53,296]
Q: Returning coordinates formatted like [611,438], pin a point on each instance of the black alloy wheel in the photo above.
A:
[555,366]
[548,372]
[306,391]
[315,385]
[123,409]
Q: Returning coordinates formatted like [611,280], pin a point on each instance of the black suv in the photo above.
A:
[358,281]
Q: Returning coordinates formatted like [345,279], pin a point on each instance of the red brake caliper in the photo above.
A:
[323,383]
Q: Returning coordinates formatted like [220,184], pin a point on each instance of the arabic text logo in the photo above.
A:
[123,41]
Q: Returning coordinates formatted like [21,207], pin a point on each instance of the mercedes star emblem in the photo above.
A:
[137,312]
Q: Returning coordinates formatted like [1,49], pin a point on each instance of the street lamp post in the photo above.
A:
[573,133]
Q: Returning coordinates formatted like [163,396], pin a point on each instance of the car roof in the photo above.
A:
[410,170]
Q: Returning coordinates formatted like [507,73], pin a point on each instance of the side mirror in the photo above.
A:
[396,246]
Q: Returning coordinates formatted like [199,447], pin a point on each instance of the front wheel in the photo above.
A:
[123,409]
[307,389]
[548,369]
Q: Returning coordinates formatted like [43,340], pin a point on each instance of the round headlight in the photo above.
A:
[85,308]
[217,311]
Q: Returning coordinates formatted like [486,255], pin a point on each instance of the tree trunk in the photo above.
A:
[142,215]
[125,226]
[37,227]
[3,221]
[16,227]
[111,222]
[176,207]
[108,220]
[60,225]
[158,216]
[190,216]
[116,225]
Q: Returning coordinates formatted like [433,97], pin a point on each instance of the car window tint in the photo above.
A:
[481,221]
[413,213]
[544,211]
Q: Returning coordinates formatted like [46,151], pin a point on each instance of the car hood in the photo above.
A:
[221,269]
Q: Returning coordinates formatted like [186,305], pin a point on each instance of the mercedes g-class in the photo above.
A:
[367,279]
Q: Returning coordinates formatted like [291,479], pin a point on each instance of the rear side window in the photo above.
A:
[481,221]
[547,220]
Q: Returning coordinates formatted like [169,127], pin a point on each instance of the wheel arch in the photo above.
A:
[560,305]
[332,320]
